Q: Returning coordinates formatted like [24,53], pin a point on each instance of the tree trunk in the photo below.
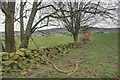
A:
[9,35]
[75,37]
[25,34]
[2,49]
[1,46]
[24,42]
[9,28]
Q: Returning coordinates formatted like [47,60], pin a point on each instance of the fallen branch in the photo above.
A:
[62,71]
[50,62]
[76,68]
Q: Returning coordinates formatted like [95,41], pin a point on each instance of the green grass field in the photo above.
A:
[100,58]
[47,41]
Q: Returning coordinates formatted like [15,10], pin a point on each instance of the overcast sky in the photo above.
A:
[103,24]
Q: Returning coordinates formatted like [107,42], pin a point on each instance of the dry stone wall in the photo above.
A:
[23,59]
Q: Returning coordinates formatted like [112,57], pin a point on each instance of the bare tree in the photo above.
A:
[8,8]
[31,25]
[80,15]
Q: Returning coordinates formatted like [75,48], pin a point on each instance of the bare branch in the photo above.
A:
[39,3]
[34,27]
[47,6]
[3,7]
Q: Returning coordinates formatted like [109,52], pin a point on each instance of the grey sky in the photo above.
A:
[103,24]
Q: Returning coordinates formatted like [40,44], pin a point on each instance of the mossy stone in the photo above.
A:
[23,49]
[7,63]
[35,52]
[31,61]
[4,54]
[23,65]
[11,55]
[5,57]
[28,51]
[19,60]
[18,52]
[36,55]
[30,57]
[16,57]
[23,58]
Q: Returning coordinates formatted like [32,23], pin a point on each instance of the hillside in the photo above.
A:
[55,31]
